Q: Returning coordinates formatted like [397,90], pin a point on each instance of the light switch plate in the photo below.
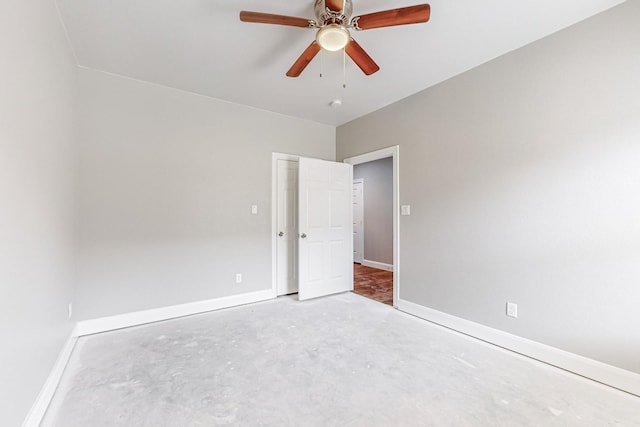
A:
[254,209]
[512,309]
[405,210]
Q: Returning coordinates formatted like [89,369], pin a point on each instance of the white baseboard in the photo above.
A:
[104,324]
[39,408]
[601,372]
[378,265]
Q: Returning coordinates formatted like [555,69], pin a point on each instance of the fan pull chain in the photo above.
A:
[321,56]
[344,68]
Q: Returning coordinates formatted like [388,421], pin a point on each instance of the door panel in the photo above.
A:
[339,208]
[358,220]
[316,255]
[325,228]
[317,203]
[337,263]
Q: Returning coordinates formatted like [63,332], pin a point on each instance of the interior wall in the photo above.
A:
[378,209]
[523,179]
[167,183]
[38,172]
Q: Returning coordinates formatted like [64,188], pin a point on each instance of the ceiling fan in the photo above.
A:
[333,21]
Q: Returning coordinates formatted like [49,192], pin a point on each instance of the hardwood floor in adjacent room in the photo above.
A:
[373,283]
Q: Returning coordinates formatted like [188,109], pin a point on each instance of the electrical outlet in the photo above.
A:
[405,210]
[238,277]
[70,310]
[512,309]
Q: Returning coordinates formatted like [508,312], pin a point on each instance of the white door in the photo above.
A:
[287,227]
[325,228]
[358,220]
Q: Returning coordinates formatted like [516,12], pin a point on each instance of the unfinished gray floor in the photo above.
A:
[343,360]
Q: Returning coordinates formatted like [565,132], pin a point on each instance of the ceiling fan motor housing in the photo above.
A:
[326,16]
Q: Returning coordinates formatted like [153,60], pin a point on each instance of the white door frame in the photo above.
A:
[394,153]
[361,182]
[274,216]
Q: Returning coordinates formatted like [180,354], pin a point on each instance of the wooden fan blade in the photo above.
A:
[361,58]
[334,5]
[304,59]
[268,18]
[388,18]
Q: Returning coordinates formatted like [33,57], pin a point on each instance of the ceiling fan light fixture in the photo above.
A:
[333,37]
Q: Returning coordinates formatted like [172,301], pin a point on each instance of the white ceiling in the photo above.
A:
[202,47]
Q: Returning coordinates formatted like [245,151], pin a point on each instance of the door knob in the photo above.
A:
[304,236]
[281,234]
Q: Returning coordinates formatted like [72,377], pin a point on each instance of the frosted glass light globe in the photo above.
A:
[332,37]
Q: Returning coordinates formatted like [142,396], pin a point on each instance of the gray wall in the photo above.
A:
[38,171]
[167,182]
[524,180]
[378,209]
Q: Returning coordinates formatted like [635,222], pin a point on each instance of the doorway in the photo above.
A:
[286,218]
[376,269]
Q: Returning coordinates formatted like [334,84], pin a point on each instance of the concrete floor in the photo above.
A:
[342,360]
